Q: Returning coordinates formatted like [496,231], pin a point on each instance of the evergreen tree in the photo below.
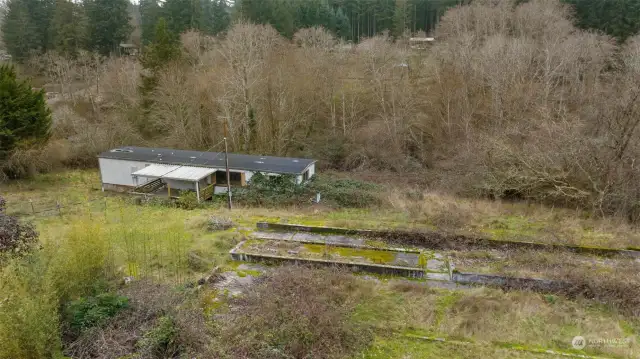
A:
[41,14]
[69,28]
[618,18]
[182,15]
[281,15]
[164,49]
[207,16]
[343,27]
[149,15]
[27,27]
[222,16]
[25,119]
[216,16]
[19,33]
[312,13]
[108,24]
[400,18]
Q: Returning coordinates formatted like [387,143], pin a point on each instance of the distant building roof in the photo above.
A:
[422,39]
[210,159]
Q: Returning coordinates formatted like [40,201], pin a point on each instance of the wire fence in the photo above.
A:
[32,209]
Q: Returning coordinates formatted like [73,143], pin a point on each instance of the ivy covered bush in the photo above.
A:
[87,312]
[283,190]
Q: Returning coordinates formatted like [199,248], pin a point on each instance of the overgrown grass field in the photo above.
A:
[92,247]
[395,207]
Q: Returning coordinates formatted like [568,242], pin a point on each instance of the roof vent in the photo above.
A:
[121,150]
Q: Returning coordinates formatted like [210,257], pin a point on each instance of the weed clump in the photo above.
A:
[217,223]
[296,312]
[188,201]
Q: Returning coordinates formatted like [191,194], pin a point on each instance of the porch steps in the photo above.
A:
[149,187]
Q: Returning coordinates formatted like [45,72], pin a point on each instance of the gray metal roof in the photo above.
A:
[209,159]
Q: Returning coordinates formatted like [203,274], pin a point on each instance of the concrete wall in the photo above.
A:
[118,172]
[358,267]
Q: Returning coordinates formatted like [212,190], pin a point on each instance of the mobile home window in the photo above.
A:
[235,177]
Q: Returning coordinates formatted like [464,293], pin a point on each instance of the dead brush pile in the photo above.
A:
[296,312]
[159,323]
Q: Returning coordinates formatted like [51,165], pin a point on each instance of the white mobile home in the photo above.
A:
[150,170]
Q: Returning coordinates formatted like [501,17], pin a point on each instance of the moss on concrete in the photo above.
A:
[245,272]
[371,255]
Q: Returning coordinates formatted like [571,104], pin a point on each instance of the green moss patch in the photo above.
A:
[370,255]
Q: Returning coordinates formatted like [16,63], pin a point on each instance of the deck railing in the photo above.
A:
[207,192]
[149,187]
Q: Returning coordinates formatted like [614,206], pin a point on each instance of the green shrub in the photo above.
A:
[188,200]
[89,312]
